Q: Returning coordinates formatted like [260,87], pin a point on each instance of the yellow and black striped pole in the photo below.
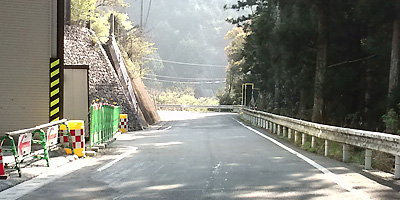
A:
[54,90]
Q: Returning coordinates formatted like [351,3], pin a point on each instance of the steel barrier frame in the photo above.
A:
[104,119]
[43,141]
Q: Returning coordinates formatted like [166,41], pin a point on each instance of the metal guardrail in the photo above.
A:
[234,108]
[365,139]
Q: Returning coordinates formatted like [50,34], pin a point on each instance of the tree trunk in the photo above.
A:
[277,105]
[322,44]
[394,61]
[301,114]
[367,97]
[231,82]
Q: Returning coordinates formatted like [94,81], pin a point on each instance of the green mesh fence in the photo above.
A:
[104,119]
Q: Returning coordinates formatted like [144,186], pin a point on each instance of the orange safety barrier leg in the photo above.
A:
[2,171]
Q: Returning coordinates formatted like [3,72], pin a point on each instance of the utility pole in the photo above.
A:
[141,16]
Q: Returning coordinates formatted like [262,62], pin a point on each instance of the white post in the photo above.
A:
[346,148]
[296,136]
[313,142]
[303,139]
[368,156]
[326,147]
[285,131]
[397,167]
[289,133]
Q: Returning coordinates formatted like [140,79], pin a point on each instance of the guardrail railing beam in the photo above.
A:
[365,139]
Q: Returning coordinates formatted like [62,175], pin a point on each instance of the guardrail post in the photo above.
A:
[313,142]
[272,127]
[397,167]
[296,136]
[303,139]
[368,156]
[346,148]
[284,131]
[290,133]
[326,147]
[279,130]
[276,128]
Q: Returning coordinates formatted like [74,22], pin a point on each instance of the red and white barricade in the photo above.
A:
[123,123]
[77,132]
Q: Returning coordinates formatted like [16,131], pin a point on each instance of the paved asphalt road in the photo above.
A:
[209,156]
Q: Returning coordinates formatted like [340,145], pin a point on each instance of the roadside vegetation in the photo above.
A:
[330,62]
[183,97]
[96,15]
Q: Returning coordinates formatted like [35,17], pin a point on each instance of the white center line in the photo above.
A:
[330,175]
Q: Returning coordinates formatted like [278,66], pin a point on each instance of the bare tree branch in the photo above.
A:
[351,61]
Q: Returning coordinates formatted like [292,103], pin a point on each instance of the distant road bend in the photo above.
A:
[210,156]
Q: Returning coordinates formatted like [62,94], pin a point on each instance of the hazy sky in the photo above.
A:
[190,31]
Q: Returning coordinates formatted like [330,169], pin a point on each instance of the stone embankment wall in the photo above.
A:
[81,47]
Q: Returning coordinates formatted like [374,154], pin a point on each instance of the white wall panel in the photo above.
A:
[24,63]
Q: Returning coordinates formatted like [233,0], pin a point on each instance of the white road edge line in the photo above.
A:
[120,157]
[330,175]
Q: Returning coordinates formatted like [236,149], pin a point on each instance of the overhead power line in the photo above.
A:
[184,82]
[148,12]
[182,78]
[185,63]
